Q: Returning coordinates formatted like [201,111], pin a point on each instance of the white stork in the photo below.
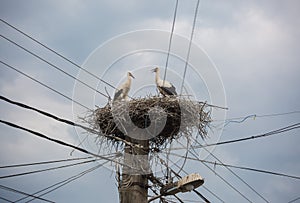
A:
[164,87]
[122,90]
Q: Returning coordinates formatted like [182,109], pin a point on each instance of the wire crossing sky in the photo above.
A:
[274,132]
[253,44]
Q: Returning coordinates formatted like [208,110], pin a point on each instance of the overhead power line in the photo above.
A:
[239,167]
[52,65]
[59,141]
[231,171]
[58,54]
[190,46]
[239,121]
[278,131]
[155,180]
[261,116]
[62,183]
[47,169]
[23,193]
[62,119]
[170,40]
[186,200]
[276,114]
[7,200]
[179,176]
[42,112]
[254,116]
[44,85]
[294,200]
[223,179]
[274,132]
[212,193]
[43,162]
[67,144]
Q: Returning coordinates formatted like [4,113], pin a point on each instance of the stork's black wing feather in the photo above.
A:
[169,90]
[118,94]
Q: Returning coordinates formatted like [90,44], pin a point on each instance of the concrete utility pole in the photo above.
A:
[133,187]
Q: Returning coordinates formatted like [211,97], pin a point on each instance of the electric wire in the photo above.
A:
[190,46]
[179,176]
[254,116]
[223,179]
[161,197]
[62,119]
[154,180]
[239,167]
[186,153]
[58,54]
[231,171]
[118,154]
[40,112]
[7,200]
[44,85]
[212,193]
[178,198]
[276,114]
[274,132]
[43,162]
[23,193]
[156,193]
[1,20]
[60,142]
[63,183]
[203,186]
[262,116]
[170,40]
[294,200]
[52,65]
[240,121]
[214,106]
[166,165]
[188,200]
[188,54]
[171,201]
[200,195]
[47,169]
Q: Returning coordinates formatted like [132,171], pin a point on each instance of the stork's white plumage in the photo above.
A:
[122,90]
[164,87]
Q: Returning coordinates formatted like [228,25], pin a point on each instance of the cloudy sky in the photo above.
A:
[245,56]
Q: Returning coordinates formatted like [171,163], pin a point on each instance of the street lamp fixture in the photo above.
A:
[185,184]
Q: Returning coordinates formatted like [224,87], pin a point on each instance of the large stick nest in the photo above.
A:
[173,117]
